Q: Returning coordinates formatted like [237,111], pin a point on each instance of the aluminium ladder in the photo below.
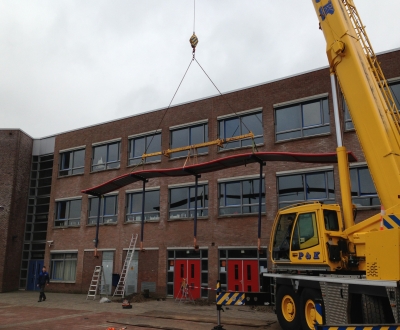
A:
[120,289]
[97,279]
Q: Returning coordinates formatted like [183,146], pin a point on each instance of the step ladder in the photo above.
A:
[98,280]
[120,289]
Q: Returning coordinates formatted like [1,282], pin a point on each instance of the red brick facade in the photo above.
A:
[214,231]
[15,163]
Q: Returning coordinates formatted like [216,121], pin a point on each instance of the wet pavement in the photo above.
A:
[20,310]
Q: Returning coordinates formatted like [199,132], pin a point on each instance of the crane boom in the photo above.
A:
[371,105]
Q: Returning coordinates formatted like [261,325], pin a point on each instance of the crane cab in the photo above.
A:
[308,234]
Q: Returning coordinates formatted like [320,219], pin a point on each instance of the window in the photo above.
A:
[239,125]
[306,186]
[151,206]
[72,162]
[394,88]
[182,201]
[241,197]
[106,156]
[144,144]
[108,209]
[187,136]
[305,233]
[68,213]
[348,123]
[302,119]
[63,266]
[363,190]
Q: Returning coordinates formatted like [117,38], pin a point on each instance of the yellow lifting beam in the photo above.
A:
[218,142]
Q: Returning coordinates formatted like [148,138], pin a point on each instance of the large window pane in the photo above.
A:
[306,186]
[241,197]
[106,156]
[363,191]
[151,207]
[302,120]
[182,201]
[241,125]
[189,136]
[108,209]
[311,114]
[316,186]
[288,118]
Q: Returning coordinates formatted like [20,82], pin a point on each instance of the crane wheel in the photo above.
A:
[287,308]
[307,304]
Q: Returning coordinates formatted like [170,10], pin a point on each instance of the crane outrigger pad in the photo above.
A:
[212,166]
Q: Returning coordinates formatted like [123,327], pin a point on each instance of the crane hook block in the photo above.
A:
[193,41]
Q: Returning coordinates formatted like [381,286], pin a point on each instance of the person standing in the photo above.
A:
[42,281]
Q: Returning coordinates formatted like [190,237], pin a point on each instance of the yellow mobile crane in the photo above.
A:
[319,254]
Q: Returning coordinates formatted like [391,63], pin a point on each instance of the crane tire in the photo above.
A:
[372,309]
[307,308]
[287,308]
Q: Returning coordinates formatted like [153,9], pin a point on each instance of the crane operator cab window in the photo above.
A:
[282,236]
[331,220]
[305,233]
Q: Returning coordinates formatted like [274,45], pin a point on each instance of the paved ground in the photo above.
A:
[20,310]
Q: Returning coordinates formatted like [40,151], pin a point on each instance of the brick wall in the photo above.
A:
[15,162]
[215,230]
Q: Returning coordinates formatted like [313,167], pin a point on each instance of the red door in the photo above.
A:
[243,275]
[187,272]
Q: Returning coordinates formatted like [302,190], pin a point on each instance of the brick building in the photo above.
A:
[292,114]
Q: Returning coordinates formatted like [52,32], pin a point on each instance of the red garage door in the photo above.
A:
[187,271]
[243,275]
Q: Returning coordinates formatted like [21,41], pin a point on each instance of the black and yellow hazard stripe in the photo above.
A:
[231,298]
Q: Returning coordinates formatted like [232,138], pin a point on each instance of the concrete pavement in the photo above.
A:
[20,310]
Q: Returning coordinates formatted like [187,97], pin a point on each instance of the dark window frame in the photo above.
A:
[190,128]
[323,126]
[67,221]
[222,198]
[188,212]
[137,216]
[111,218]
[366,199]
[61,258]
[107,164]
[328,178]
[71,169]
[148,138]
[242,129]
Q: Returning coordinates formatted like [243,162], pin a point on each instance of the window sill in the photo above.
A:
[303,138]
[239,215]
[239,148]
[182,157]
[60,281]
[146,163]
[139,222]
[64,227]
[366,208]
[105,170]
[102,224]
[187,219]
[350,130]
[70,175]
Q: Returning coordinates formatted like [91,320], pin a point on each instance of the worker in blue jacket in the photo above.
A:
[43,279]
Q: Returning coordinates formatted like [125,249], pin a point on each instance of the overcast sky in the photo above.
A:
[66,64]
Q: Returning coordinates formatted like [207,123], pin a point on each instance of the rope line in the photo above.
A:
[194,15]
[240,118]
[166,110]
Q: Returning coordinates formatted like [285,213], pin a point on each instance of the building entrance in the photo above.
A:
[188,270]
[243,275]
[35,267]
